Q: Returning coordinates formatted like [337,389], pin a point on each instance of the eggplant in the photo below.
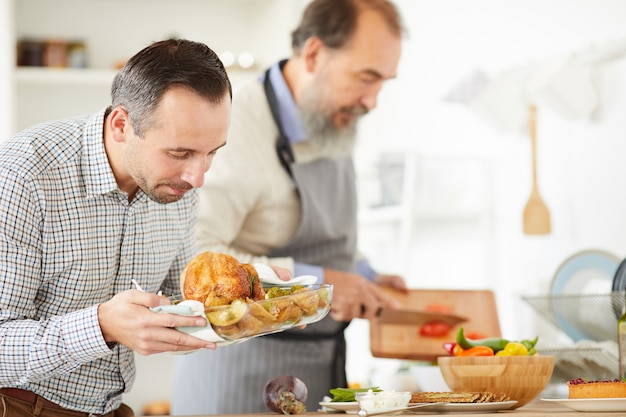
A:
[285,394]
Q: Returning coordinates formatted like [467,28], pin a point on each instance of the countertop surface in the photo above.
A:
[535,409]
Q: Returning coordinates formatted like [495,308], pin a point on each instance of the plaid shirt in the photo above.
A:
[69,239]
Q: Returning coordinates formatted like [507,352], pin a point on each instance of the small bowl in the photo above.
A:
[521,378]
[373,402]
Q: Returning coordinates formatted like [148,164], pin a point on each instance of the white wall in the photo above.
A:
[117,29]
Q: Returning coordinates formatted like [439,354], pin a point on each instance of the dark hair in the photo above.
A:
[334,21]
[141,83]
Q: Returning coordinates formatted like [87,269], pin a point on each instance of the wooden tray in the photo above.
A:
[403,341]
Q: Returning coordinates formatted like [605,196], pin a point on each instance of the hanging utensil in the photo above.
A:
[536,215]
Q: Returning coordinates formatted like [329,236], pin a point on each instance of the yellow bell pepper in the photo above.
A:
[513,349]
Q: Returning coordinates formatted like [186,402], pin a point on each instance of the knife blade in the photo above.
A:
[416,317]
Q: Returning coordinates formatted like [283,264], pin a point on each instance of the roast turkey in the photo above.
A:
[217,279]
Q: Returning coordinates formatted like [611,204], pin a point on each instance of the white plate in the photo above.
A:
[350,407]
[467,407]
[592,404]
[584,273]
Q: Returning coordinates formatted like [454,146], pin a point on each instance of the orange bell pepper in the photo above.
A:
[477,351]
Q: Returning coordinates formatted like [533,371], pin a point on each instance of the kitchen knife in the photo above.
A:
[416,317]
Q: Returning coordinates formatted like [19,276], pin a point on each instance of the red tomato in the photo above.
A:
[438,308]
[475,335]
[449,347]
[435,329]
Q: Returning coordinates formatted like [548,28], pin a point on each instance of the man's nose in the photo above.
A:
[370,98]
[194,173]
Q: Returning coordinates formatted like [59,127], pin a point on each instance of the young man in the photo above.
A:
[86,206]
[283,192]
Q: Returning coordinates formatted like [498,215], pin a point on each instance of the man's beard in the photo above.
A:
[152,190]
[325,139]
[155,195]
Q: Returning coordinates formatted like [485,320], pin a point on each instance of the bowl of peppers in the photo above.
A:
[496,365]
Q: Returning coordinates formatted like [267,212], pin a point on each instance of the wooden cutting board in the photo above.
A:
[402,341]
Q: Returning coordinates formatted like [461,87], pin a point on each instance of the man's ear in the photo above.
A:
[311,51]
[119,124]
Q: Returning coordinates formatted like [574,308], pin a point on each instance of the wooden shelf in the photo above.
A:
[88,76]
[80,76]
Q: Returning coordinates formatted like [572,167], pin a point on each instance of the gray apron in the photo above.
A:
[233,377]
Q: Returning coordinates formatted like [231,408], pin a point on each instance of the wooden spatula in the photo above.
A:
[536,215]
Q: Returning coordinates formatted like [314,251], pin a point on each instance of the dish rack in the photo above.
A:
[594,361]
[593,315]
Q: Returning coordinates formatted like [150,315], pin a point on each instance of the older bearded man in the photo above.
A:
[284,193]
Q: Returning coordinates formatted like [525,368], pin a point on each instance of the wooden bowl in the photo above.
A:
[522,378]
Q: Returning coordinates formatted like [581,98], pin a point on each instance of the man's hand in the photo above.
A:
[392,281]
[282,273]
[127,319]
[356,297]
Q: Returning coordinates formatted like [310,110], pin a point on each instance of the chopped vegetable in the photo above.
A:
[435,329]
[477,351]
[530,344]
[501,347]
[513,349]
[275,292]
[449,347]
[347,394]
[495,343]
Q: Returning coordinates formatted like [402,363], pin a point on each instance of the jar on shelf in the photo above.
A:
[77,54]
[30,53]
[55,53]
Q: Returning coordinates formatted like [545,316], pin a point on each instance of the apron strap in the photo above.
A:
[283,148]
[285,154]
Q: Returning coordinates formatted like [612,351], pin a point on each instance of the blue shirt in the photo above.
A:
[69,240]
[291,124]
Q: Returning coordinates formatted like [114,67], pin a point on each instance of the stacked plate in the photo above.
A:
[584,301]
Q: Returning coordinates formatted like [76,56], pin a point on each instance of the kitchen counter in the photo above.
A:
[534,409]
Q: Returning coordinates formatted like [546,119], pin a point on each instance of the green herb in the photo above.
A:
[252,279]
[347,394]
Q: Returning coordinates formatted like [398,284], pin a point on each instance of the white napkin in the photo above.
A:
[268,276]
[193,308]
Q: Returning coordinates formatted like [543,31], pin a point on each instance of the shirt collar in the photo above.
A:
[287,107]
[99,178]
